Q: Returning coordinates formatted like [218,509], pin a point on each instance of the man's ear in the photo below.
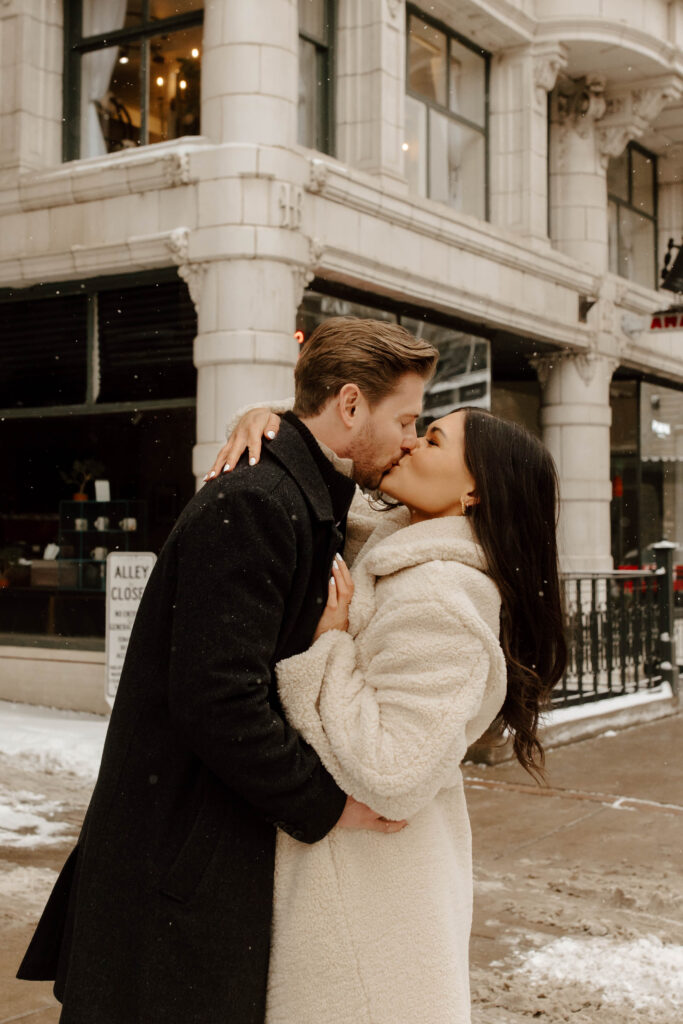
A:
[347,400]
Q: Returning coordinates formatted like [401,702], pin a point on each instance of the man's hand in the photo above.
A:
[357,815]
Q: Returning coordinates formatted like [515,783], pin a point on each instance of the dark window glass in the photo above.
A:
[446,117]
[315,124]
[632,215]
[145,343]
[143,89]
[44,352]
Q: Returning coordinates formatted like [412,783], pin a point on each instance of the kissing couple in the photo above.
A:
[278,832]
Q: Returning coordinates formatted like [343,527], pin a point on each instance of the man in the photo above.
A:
[162,913]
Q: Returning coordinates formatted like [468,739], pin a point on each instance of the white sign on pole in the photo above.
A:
[127,575]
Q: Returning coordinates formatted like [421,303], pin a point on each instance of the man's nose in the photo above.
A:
[409,442]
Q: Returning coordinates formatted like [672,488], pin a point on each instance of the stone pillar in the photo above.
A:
[576,419]
[250,70]
[521,79]
[578,190]
[370,84]
[245,349]
[31,52]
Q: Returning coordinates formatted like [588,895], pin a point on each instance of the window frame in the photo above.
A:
[326,127]
[413,10]
[75,45]
[628,205]
[91,287]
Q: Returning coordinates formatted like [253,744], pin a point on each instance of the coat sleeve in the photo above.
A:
[393,733]
[236,561]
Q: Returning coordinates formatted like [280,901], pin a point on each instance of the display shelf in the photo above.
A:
[88,531]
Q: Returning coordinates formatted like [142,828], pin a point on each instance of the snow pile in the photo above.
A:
[644,974]
[27,820]
[52,741]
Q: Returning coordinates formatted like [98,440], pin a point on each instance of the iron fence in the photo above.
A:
[620,632]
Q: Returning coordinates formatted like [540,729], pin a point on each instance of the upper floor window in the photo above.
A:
[132,73]
[446,116]
[632,208]
[316,122]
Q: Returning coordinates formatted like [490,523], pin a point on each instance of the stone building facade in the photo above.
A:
[509,170]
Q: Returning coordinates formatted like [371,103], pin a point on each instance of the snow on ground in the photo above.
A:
[645,974]
[25,887]
[28,820]
[52,741]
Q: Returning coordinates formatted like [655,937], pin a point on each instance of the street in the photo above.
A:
[578,887]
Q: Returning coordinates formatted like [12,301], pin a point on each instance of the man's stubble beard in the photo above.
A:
[366,472]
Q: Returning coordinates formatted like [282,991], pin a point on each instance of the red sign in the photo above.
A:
[665,321]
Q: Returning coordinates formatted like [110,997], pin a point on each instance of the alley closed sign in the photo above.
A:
[127,576]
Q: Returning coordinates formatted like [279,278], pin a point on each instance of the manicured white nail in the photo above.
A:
[212,473]
[226,467]
[270,434]
[252,461]
[332,581]
[205,478]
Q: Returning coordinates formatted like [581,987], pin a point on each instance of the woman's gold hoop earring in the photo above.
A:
[464,506]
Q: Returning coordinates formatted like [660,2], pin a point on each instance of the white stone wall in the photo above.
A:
[249,217]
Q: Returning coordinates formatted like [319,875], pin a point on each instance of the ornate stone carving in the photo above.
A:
[193,276]
[630,112]
[177,169]
[178,243]
[290,200]
[547,67]
[579,103]
[304,274]
[320,172]
[586,364]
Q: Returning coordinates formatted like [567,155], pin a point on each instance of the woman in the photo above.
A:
[454,619]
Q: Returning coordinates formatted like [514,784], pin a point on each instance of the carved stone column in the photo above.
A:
[576,417]
[250,72]
[30,87]
[521,79]
[370,85]
[578,195]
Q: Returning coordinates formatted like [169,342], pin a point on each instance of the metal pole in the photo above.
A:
[664,555]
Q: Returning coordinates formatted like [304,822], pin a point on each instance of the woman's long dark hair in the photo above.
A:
[515,521]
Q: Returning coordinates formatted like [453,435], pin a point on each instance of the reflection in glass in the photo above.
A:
[174,85]
[415,146]
[467,83]
[312,18]
[171,8]
[309,98]
[613,236]
[617,176]
[642,182]
[110,100]
[456,165]
[636,247]
[427,61]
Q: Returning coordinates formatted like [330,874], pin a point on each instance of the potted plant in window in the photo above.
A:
[81,472]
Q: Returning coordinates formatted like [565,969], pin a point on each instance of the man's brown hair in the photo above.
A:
[343,350]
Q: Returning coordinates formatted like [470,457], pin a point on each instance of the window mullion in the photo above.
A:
[144,92]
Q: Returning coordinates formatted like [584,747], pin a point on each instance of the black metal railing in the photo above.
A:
[619,628]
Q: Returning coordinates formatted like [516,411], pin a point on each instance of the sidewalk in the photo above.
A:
[578,888]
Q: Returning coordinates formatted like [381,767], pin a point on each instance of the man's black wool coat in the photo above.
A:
[162,913]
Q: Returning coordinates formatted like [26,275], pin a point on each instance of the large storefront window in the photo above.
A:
[96,435]
[632,210]
[647,470]
[446,116]
[316,75]
[132,73]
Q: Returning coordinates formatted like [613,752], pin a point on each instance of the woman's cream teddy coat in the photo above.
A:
[371,928]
